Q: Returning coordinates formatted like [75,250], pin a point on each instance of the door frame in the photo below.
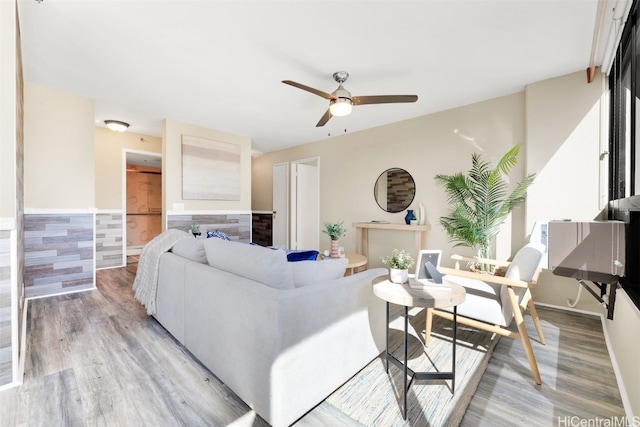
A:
[315,161]
[125,151]
[287,203]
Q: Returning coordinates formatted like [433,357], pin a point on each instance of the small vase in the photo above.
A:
[335,249]
[398,275]
[421,218]
[409,216]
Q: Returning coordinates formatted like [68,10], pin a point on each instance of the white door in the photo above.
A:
[280,204]
[307,205]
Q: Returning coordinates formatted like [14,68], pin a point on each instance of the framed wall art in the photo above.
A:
[210,169]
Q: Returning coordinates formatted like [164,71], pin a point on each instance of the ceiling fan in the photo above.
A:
[341,101]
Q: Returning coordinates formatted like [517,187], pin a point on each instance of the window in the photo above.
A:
[624,154]
[624,81]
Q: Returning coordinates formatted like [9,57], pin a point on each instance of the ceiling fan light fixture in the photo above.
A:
[341,102]
[340,107]
[116,125]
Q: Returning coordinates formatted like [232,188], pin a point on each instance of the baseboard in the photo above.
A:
[93,288]
[110,267]
[565,308]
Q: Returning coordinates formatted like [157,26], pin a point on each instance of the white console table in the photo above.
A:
[362,234]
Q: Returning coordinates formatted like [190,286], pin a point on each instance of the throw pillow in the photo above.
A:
[190,248]
[296,255]
[307,273]
[250,261]
[219,234]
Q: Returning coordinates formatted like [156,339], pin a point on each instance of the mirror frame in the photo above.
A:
[401,206]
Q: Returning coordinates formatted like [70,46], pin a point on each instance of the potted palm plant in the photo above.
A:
[479,201]
[335,230]
[399,263]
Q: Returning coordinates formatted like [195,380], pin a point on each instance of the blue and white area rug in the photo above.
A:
[374,398]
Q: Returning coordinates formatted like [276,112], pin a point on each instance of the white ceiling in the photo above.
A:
[220,64]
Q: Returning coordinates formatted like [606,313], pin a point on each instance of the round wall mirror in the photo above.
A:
[394,190]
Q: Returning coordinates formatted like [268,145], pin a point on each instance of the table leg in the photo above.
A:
[453,358]
[406,382]
[365,242]
[406,333]
[387,353]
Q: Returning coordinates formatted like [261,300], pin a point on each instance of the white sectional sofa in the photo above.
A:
[282,335]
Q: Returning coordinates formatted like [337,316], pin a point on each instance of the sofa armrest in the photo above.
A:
[327,333]
[318,306]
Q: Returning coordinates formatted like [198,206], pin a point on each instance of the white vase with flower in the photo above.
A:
[335,230]
[399,263]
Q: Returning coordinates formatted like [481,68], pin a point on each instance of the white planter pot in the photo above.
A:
[398,276]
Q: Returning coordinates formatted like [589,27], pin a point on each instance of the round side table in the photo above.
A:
[355,261]
[436,296]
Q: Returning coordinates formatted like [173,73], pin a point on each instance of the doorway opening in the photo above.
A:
[142,193]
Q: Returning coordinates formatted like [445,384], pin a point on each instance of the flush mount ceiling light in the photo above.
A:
[116,125]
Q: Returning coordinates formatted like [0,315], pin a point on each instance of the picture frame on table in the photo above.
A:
[427,255]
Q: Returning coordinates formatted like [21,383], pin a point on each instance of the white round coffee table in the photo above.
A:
[436,296]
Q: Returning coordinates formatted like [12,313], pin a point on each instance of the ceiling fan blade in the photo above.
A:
[383,99]
[325,95]
[325,118]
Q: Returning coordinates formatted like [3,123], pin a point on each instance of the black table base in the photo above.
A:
[420,375]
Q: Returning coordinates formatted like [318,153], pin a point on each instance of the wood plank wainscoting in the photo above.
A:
[109,239]
[236,225]
[58,253]
[6,335]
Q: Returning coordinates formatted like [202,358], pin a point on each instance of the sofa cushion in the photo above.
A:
[250,261]
[190,248]
[307,273]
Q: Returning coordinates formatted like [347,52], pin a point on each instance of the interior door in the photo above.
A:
[307,209]
[280,204]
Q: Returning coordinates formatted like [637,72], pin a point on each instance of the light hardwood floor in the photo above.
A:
[96,359]
[578,381]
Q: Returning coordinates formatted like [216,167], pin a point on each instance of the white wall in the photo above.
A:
[563,128]
[172,167]
[563,146]
[108,159]
[8,107]
[59,149]
[623,333]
